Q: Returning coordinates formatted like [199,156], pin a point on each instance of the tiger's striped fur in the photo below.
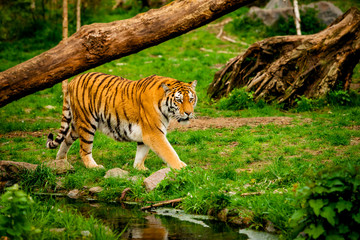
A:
[138,111]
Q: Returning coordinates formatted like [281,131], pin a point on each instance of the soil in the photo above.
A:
[202,123]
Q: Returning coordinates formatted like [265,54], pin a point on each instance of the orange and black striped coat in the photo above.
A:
[138,111]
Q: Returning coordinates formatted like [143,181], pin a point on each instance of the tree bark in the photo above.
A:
[65,33]
[280,69]
[99,43]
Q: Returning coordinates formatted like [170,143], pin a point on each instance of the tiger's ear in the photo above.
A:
[193,84]
[165,87]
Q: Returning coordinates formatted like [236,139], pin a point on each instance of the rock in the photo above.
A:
[86,233]
[270,227]
[116,173]
[327,12]
[50,107]
[10,170]
[272,4]
[60,166]
[95,190]
[222,215]
[60,183]
[270,16]
[154,179]
[134,179]
[74,194]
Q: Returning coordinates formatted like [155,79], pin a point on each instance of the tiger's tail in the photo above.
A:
[65,125]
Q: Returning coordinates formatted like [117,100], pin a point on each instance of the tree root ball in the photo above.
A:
[282,68]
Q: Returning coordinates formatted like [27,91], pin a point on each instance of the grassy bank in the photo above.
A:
[274,160]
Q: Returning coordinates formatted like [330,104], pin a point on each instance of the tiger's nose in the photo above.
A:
[187,113]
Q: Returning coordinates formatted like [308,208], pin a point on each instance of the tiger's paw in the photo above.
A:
[95,166]
[141,167]
[179,165]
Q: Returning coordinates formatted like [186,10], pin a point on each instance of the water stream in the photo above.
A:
[165,223]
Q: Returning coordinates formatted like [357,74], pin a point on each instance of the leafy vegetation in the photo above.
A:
[334,99]
[274,160]
[239,99]
[329,207]
[14,221]
[244,25]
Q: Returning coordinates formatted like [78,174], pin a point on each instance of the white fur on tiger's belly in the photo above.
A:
[133,134]
[136,133]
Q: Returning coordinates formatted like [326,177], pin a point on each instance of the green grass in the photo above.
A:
[222,163]
[23,218]
[49,215]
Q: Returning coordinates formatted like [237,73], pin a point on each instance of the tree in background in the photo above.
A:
[78,14]
[297,17]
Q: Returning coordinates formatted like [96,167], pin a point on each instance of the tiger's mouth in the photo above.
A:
[183,119]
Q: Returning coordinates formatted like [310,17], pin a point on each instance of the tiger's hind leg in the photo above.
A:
[86,135]
[141,153]
[66,144]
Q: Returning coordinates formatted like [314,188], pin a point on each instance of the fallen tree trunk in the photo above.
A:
[280,69]
[99,43]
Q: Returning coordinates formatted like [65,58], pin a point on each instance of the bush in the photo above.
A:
[310,24]
[14,215]
[238,99]
[338,98]
[304,104]
[330,206]
[245,26]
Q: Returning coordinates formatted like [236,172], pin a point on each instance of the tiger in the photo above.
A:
[132,111]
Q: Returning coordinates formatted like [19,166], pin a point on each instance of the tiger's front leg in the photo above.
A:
[161,146]
[141,153]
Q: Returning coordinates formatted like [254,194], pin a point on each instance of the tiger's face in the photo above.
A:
[180,101]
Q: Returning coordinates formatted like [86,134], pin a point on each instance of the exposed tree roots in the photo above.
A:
[280,69]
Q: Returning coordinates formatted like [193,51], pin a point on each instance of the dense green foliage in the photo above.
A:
[243,23]
[274,158]
[14,214]
[239,99]
[330,206]
[310,24]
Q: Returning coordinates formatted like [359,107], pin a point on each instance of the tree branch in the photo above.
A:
[99,43]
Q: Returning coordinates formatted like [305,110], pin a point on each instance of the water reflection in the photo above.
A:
[152,229]
[168,224]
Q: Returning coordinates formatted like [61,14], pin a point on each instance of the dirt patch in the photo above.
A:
[202,123]
[355,141]
[355,127]
[23,134]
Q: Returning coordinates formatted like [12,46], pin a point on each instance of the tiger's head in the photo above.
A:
[180,100]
